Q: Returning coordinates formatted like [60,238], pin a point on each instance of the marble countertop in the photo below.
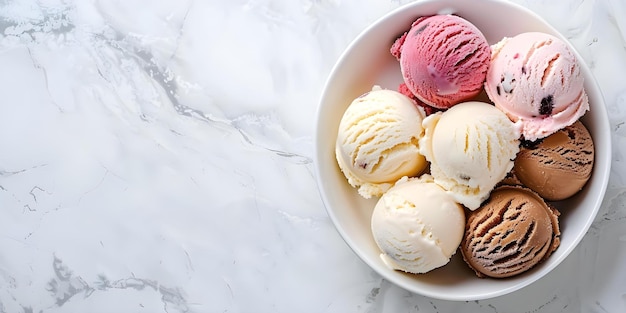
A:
[156,156]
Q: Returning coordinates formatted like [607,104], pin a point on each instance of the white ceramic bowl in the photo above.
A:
[367,62]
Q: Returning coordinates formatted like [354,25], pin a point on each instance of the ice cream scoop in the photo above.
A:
[443,59]
[558,166]
[536,80]
[471,148]
[510,234]
[377,141]
[417,225]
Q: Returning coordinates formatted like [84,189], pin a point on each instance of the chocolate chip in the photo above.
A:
[530,144]
[523,69]
[507,82]
[547,104]
[498,90]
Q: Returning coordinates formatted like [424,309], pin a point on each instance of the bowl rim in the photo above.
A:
[603,167]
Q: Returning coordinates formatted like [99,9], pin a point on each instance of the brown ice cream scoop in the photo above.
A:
[558,166]
[510,233]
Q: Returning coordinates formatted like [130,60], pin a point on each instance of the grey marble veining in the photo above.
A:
[157,157]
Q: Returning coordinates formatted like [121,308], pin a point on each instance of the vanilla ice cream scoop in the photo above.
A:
[377,141]
[471,148]
[417,225]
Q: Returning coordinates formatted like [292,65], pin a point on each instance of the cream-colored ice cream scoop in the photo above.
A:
[377,141]
[471,148]
[417,225]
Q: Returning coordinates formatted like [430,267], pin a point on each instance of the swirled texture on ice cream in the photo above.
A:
[536,80]
[510,234]
[471,148]
[558,166]
[417,225]
[377,141]
[443,59]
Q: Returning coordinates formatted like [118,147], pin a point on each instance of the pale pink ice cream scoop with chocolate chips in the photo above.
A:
[536,80]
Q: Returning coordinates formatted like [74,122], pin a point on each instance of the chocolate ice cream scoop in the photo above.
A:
[510,233]
[558,166]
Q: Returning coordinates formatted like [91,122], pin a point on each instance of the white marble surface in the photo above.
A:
[156,156]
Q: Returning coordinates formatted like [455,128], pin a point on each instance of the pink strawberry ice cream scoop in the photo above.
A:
[535,79]
[443,59]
